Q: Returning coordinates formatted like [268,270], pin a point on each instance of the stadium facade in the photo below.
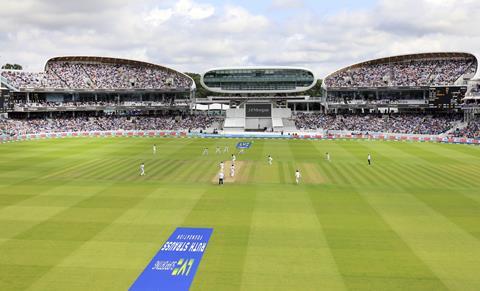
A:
[258,80]
[251,98]
[95,85]
[425,81]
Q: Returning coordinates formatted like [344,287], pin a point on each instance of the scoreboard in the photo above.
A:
[448,96]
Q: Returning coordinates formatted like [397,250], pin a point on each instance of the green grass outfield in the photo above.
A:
[75,214]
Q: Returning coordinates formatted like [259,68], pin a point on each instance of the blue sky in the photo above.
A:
[195,35]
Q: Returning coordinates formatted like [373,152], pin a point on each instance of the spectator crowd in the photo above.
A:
[394,123]
[107,76]
[471,131]
[411,73]
[52,104]
[14,127]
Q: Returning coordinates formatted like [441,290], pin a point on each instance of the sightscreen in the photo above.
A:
[258,110]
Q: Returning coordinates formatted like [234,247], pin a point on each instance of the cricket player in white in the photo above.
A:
[205,152]
[270,160]
[154,149]
[298,176]
[234,158]
[221,176]
[369,158]
[327,157]
[226,149]
[232,170]
[222,166]
[217,151]
[142,169]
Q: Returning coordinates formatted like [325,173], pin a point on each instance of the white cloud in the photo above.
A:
[158,16]
[194,35]
[236,19]
[192,10]
[287,4]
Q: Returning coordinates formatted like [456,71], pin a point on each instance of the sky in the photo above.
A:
[196,35]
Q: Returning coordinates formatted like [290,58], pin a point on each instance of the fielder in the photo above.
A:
[222,166]
[327,157]
[205,152]
[234,158]
[142,169]
[232,170]
[217,151]
[226,149]
[298,176]
[154,149]
[270,160]
[369,159]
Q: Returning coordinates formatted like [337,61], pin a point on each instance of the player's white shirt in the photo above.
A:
[234,158]
[154,149]
[232,171]
[369,157]
[142,169]
[221,175]
[297,177]
[222,166]
[270,160]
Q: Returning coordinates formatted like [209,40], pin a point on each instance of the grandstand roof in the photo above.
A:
[109,60]
[411,57]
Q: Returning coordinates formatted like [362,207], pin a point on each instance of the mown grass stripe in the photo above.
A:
[456,181]
[193,168]
[449,251]
[365,173]
[339,174]
[126,167]
[112,169]
[414,179]
[351,176]
[281,172]
[473,174]
[205,171]
[395,179]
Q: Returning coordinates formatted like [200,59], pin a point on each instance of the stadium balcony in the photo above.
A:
[415,70]
[97,106]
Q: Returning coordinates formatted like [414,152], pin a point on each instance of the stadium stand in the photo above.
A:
[409,70]
[472,130]
[394,123]
[410,94]
[12,127]
[95,73]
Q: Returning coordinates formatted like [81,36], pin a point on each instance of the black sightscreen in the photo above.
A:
[258,110]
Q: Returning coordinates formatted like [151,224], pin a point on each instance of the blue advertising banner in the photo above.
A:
[175,264]
[244,145]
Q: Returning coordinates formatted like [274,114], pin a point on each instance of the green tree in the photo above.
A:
[317,90]
[8,66]
[201,92]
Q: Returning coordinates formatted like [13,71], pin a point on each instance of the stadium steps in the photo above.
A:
[289,124]
[460,125]
[215,125]
[4,81]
